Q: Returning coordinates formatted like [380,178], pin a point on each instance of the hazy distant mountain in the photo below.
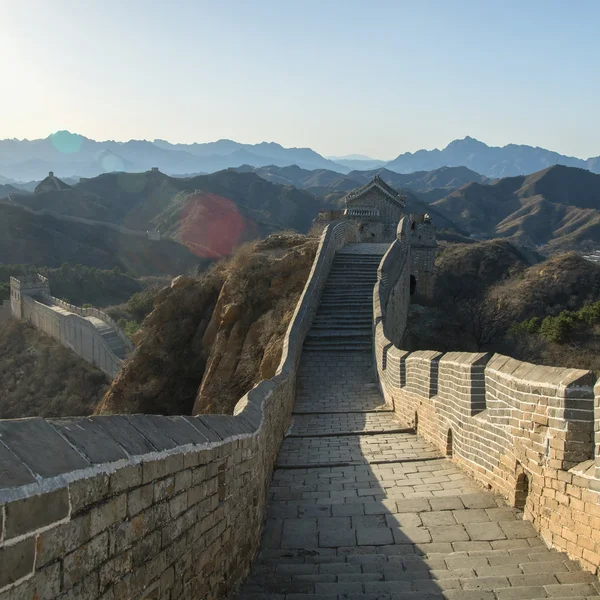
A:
[358,162]
[491,161]
[71,154]
[428,185]
[558,207]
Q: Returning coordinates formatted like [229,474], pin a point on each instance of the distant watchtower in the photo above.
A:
[423,246]
[378,208]
[30,285]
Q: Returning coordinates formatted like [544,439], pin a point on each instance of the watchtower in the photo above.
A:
[378,208]
[27,285]
[423,246]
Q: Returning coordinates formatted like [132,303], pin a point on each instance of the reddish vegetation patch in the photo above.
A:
[212,227]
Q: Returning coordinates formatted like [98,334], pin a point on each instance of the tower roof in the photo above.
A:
[376,183]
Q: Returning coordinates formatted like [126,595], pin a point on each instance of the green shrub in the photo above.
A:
[129,327]
[558,329]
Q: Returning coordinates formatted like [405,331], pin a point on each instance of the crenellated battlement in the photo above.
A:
[528,432]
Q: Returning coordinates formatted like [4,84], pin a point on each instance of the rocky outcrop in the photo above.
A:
[211,339]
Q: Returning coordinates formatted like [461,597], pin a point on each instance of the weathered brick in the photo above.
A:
[84,560]
[125,478]
[17,561]
[108,513]
[29,514]
[139,499]
[86,492]
[62,539]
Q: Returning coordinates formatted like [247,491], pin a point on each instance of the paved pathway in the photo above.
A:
[361,509]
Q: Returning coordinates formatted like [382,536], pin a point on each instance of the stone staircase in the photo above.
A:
[344,318]
[110,336]
[360,508]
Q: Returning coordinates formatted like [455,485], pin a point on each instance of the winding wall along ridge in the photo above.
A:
[529,432]
[147,506]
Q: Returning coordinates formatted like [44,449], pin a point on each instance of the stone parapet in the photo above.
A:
[147,506]
[525,431]
[528,432]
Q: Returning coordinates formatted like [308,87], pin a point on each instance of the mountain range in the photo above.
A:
[557,208]
[99,221]
[72,155]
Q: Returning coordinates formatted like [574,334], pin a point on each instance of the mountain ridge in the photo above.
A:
[71,154]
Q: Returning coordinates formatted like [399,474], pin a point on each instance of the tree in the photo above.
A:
[484,319]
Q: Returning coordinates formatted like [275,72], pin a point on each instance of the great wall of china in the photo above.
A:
[318,485]
[89,332]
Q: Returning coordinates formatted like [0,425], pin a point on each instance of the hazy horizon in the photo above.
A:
[350,156]
[378,78]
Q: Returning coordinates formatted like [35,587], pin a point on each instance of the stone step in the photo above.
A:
[357,279]
[331,346]
[347,305]
[349,282]
[328,313]
[365,297]
[363,324]
[341,333]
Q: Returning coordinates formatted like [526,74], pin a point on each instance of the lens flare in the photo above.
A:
[211,225]
[66,142]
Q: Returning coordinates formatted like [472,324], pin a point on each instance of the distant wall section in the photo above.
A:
[31,301]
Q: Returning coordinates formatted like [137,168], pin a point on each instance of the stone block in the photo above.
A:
[180,430]
[62,539]
[13,472]
[108,513]
[17,561]
[85,492]
[125,434]
[86,589]
[44,585]
[224,426]
[90,439]
[29,440]
[205,431]
[84,560]
[126,478]
[139,499]
[29,514]
[159,468]
[148,428]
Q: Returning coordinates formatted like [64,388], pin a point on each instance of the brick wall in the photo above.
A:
[147,506]
[525,431]
[73,332]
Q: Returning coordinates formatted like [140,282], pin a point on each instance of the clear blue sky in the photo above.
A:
[348,76]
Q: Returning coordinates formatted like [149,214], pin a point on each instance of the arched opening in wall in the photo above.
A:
[449,444]
[521,491]
[413,285]
[416,422]
[412,226]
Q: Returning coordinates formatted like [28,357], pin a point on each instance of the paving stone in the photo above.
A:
[384,516]
[334,538]
[485,531]
[372,536]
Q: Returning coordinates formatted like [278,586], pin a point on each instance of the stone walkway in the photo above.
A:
[361,509]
